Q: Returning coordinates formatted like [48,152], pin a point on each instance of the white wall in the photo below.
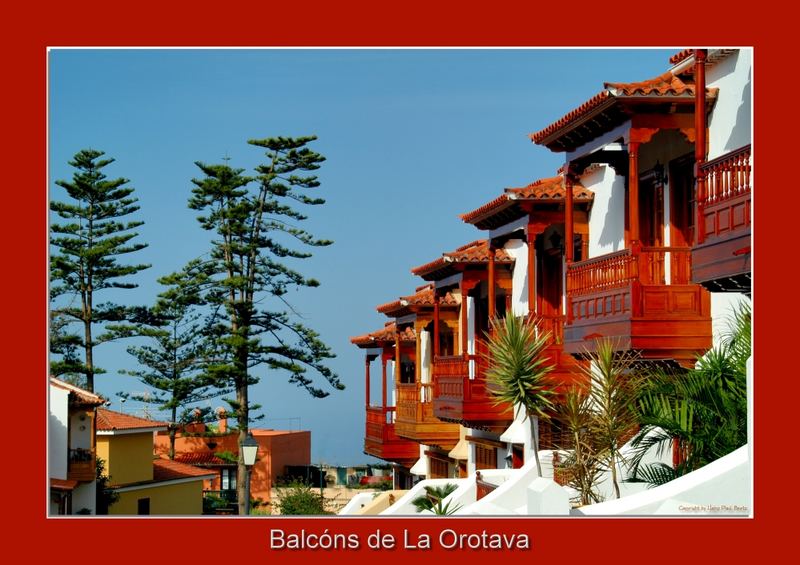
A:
[607,217]
[57,433]
[425,353]
[518,250]
[723,305]
[471,333]
[730,124]
[85,496]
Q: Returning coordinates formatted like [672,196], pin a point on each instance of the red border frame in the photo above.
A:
[135,540]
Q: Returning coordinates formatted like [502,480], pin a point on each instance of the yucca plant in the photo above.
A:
[517,370]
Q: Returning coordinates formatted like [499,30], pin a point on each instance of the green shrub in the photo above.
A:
[299,499]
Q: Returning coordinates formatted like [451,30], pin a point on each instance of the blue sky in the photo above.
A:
[412,137]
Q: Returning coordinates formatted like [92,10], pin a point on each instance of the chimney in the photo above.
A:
[222,420]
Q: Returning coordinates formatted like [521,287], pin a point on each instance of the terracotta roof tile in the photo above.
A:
[542,190]
[584,108]
[61,484]
[681,56]
[166,470]
[422,297]
[78,394]
[476,252]
[666,85]
[109,420]
[201,458]
[662,85]
[384,335]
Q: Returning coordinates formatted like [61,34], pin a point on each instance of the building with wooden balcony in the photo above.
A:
[72,454]
[480,276]
[633,145]
[413,383]
[380,438]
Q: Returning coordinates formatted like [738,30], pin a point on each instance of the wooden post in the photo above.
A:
[569,246]
[531,270]
[700,137]
[396,356]
[383,381]
[464,318]
[491,283]
[367,383]
[436,338]
[633,192]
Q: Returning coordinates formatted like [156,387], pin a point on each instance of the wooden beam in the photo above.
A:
[492,282]
[568,215]
[366,358]
[700,135]
[485,441]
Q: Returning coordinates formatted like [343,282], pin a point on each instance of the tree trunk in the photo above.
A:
[535,436]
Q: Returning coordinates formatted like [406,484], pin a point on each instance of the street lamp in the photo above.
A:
[249,451]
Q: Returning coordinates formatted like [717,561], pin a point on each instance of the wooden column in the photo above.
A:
[633,192]
[531,270]
[383,381]
[367,374]
[436,338]
[492,283]
[569,248]
[464,318]
[700,137]
[396,356]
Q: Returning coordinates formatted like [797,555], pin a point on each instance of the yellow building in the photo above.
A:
[145,485]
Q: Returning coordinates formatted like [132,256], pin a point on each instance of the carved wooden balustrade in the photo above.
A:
[721,257]
[381,440]
[638,296]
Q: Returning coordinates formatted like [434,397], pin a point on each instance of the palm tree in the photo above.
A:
[703,411]
[518,370]
[432,499]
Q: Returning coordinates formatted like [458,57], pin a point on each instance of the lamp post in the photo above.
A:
[249,451]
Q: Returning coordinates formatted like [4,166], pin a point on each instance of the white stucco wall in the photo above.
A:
[607,217]
[730,124]
[57,433]
[425,353]
[84,496]
[471,334]
[518,250]
[723,305]
[404,507]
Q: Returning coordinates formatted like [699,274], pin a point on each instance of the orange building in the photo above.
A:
[217,450]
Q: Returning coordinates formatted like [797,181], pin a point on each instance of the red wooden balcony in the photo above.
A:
[625,296]
[81,466]
[464,400]
[721,257]
[382,442]
[416,420]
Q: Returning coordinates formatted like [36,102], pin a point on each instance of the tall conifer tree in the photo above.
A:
[254,222]
[87,245]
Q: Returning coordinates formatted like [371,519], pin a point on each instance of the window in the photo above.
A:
[143,507]
[228,479]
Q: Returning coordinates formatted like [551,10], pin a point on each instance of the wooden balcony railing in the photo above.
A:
[379,423]
[604,286]
[724,209]
[82,465]
[727,177]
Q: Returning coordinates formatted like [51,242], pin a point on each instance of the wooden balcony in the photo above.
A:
[641,298]
[416,420]
[460,399]
[721,257]
[381,439]
[81,465]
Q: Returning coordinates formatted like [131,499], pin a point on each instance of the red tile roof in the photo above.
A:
[423,297]
[662,85]
[61,484]
[476,252]
[384,335]
[109,420]
[665,85]
[681,56]
[77,394]
[548,189]
[166,470]
[201,458]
